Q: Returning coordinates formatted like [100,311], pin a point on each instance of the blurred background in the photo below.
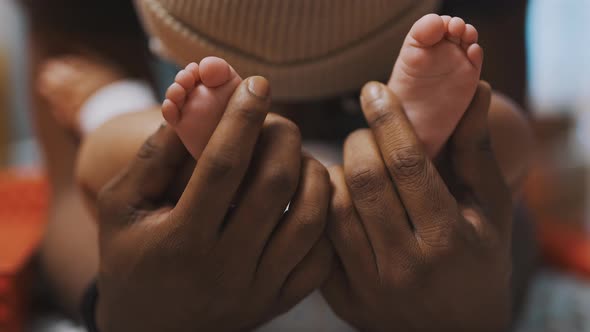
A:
[558,70]
[15,131]
[558,45]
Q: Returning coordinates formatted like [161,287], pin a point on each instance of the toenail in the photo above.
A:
[258,86]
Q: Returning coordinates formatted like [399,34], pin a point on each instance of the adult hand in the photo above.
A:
[415,257]
[195,264]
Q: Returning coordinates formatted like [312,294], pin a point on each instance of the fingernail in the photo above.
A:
[372,91]
[258,86]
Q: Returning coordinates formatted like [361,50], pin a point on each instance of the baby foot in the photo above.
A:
[197,99]
[436,76]
[65,84]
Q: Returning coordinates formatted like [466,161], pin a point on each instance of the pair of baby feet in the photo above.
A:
[435,78]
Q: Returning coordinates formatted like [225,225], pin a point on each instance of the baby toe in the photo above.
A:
[428,30]
[214,72]
[470,36]
[170,112]
[475,55]
[193,68]
[186,79]
[177,94]
[455,30]
[446,19]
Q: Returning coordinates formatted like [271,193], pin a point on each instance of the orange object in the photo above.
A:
[566,246]
[4,106]
[557,193]
[23,206]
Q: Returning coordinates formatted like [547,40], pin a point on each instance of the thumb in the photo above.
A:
[143,184]
[475,165]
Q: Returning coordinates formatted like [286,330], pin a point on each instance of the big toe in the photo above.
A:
[206,104]
[219,81]
[215,72]
[428,30]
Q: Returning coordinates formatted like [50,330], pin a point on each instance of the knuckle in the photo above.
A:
[222,164]
[310,221]
[280,179]
[409,270]
[251,110]
[417,273]
[381,113]
[408,162]
[364,180]
[439,242]
[277,126]
[149,149]
[403,268]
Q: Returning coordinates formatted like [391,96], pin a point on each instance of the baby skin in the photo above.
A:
[435,77]
[197,99]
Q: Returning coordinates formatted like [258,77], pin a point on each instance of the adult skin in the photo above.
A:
[197,264]
[71,262]
[420,252]
[435,249]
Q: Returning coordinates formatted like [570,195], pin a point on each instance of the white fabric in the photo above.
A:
[125,96]
[312,314]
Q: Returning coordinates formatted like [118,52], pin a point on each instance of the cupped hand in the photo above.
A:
[224,256]
[419,252]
